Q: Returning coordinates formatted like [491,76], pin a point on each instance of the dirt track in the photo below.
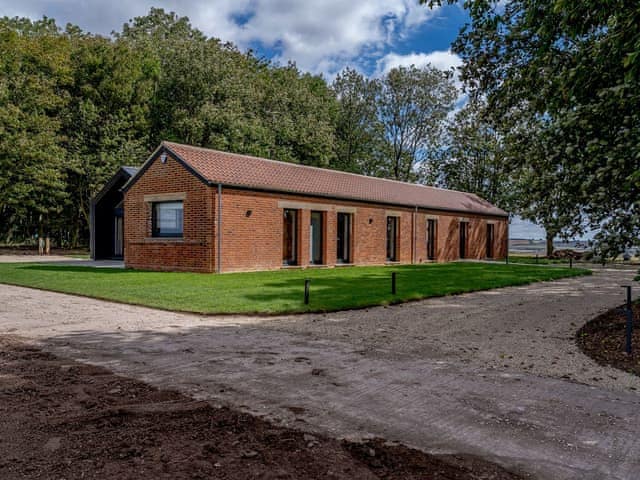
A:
[61,419]
[433,374]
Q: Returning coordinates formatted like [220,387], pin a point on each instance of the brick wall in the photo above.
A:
[252,231]
[193,252]
[252,227]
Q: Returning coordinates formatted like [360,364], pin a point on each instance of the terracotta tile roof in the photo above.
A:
[259,173]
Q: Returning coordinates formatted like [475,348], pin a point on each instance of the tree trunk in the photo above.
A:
[550,237]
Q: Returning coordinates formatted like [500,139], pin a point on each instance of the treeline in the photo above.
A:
[550,129]
[76,106]
[557,83]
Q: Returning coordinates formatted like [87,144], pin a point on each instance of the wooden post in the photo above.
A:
[47,246]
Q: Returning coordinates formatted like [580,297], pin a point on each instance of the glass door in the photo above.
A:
[344,238]
[315,237]
[392,239]
[431,239]
[118,240]
[463,239]
[490,240]
[290,237]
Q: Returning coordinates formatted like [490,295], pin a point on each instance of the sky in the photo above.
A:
[320,36]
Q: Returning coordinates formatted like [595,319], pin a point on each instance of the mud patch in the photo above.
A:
[604,340]
[62,419]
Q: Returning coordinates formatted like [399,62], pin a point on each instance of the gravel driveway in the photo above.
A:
[493,373]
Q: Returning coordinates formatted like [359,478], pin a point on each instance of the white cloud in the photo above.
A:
[443,60]
[321,36]
[440,59]
[324,35]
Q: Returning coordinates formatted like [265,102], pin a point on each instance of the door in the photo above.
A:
[464,227]
[118,237]
[490,240]
[431,239]
[315,238]
[392,239]
[290,237]
[344,238]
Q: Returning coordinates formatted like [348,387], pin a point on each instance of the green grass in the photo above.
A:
[279,291]
[531,260]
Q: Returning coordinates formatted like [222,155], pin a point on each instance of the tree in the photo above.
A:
[412,107]
[359,132]
[75,106]
[106,123]
[34,61]
[210,94]
[576,65]
[544,192]
[474,159]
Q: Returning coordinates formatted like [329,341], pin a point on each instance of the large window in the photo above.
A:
[464,233]
[290,237]
[490,240]
[392,239]
[431,239]
[315,238]
[167,219]
[344,238]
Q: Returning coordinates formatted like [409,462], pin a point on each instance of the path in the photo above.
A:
[396,372]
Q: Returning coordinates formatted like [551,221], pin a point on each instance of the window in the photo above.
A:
[167,219]
[464,232]
[392,239]
[490,240]
[431,239]
[344,238]
[290,237]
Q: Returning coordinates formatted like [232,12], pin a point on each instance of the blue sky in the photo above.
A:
[321,36]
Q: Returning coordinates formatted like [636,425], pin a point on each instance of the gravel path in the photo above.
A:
[528,329]
[434,374]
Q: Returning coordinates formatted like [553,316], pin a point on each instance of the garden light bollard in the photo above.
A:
[629,311]
[536,258]
[393,283]
[570,262]
[307,282]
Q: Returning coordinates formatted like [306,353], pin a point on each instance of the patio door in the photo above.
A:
[464,231]
[315,238]
[392,239]
[118,236]
[490,240]
[290,237]
[344,238]
[431,239]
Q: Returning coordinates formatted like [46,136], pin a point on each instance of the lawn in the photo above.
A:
[278,291]
[541,260]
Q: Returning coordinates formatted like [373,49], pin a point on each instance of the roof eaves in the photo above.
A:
[163,147]
[500,213]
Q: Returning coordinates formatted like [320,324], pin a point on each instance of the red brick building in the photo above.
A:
[196,209]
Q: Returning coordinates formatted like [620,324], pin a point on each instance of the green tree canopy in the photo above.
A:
[572,68]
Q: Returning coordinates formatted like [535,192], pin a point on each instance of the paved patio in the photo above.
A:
[61,260]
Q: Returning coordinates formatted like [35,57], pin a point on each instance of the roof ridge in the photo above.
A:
[194,147]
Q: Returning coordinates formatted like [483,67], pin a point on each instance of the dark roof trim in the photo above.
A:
[123,172]
[208,182]
[156,153]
